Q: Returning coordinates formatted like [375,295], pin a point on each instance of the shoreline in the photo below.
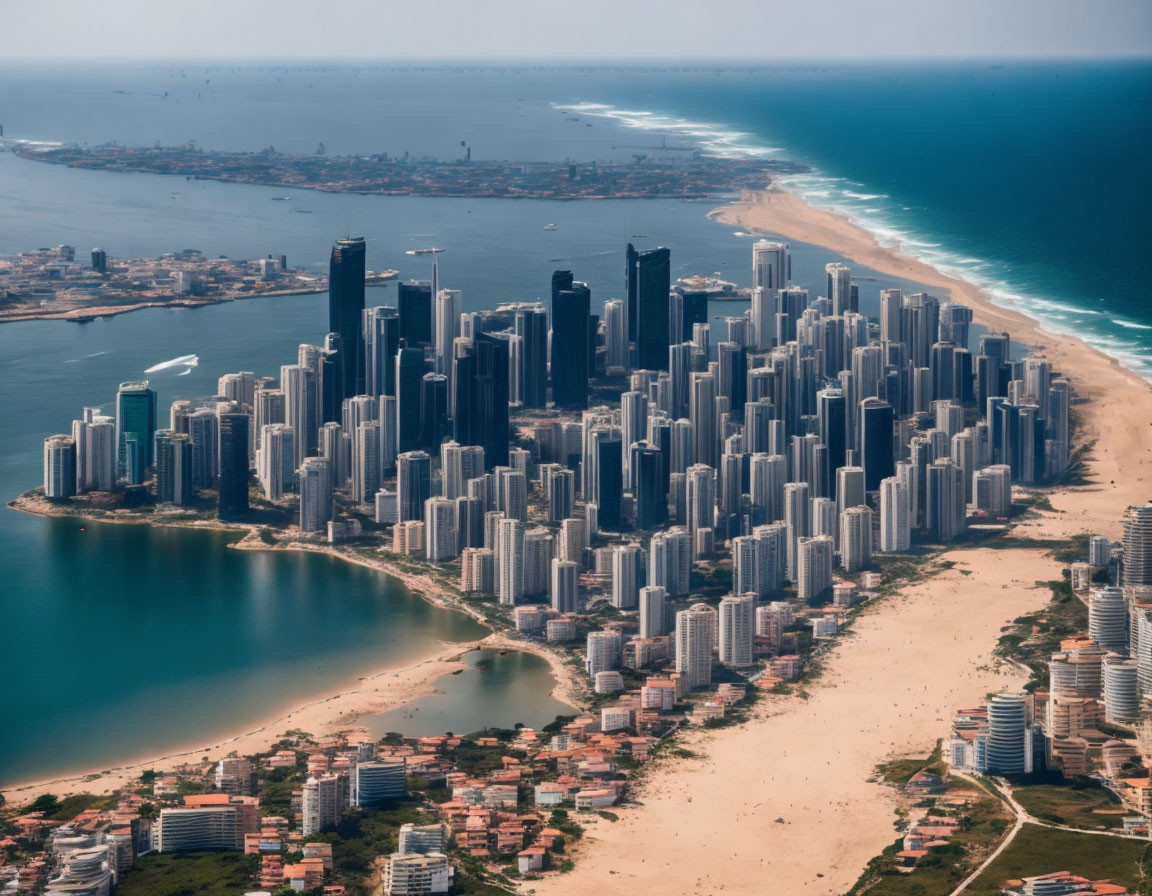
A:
[792,795]
[322,714]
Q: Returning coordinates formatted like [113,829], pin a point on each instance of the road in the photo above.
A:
[1004,790]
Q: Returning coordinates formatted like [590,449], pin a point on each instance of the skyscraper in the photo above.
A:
[415,302]
[135,429]
[627,575]
[274,464]
[771,267]
[233,502]
[346,314]
[653,611]
[59,467]
[564,586]
[570,341]
[737,626]
[649,298]
[895,529]
[315,494]
[173,467]
[413,484]
[1138,545]
[695,635]
[509,562]
[381,342]
[482,391]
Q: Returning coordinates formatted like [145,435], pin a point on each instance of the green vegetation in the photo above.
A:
[1034,637]
[901,771]
[944,866]
[1078,804]
[190,874]
[68,808]
[1038,850]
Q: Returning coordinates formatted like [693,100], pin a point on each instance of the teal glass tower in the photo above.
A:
[135,431]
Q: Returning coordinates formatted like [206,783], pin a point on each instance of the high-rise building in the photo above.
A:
[602,652]
[700,501]
[414,299]
[670,560]
[300,386]
[627,575]
[649,282]
[695,638]
[59,467]
[509,561]
[458,464]
[322,802]
[346,314]
[531,325]
[814,566]
[569,365]
[1108,618]
[538,553]
[855,538]
[233,500]
[410,370]
[381,342]
[482,395]
[378,781]
[564,586]
[274,467]
[895,528]
[737,626]
[95,438]
[615,335]
[173,467]
[135,429]
[653,611]
[771,268]
[1009,737]
[315,494]
[1138,545]
[840,292]
[413,484]
[439,529]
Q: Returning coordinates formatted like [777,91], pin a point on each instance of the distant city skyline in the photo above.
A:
[518,30]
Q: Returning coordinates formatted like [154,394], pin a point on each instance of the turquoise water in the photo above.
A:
[497,689]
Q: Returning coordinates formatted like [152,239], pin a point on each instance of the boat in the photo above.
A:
[422,251]
[639,236]
[281,198]
[549,226]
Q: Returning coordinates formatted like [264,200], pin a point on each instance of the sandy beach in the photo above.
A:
[784,803]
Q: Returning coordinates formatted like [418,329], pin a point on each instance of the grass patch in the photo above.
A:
[190,874]
[1075,804]
[1038,850]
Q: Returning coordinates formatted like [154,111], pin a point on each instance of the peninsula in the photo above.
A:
[698,177]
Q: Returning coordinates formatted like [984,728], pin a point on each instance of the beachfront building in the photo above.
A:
[1121,690]
[315,494]
[695,638]
[202,827]
[564,590]
[737,627]
[603,652]
[59,467]
[1108,618]
[439,529]
[509,561]
[895,528]
[670,560]
[814,566]
[1008,743]
[1138,545]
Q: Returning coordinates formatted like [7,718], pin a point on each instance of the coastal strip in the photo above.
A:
[792,796]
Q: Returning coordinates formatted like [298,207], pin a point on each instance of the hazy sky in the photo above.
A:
[623,30]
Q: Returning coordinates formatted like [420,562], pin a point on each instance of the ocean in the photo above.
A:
[122,640]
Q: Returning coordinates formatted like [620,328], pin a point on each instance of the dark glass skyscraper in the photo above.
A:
[832,419]
[135,430]
[651,491]
[233,465]
[415,301]
[481,383]
[878,459]
[532,326]
[410,370]
[610,481]
[649,282]
[570,342]
[346,314]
